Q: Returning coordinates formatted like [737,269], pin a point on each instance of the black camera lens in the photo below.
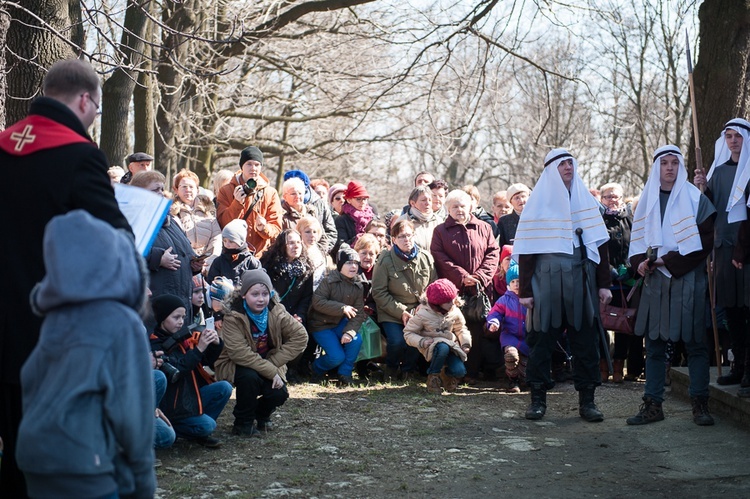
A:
[249,186]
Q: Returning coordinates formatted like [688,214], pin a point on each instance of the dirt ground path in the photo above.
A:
[389,440]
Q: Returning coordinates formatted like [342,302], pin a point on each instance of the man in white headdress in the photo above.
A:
[562,283]
[726,187]
[674,224]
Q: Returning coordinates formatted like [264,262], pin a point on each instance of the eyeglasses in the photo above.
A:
[96,104]
[611,196]
[187,186]
[404,237]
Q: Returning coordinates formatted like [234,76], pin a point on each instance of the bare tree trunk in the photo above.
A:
[32,49]
[4,25]
[143,99]
[117,91]
[722,86]
[176,15]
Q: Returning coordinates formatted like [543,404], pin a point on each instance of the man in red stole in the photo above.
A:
[50,166]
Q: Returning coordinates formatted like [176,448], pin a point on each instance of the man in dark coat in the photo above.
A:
[53,167]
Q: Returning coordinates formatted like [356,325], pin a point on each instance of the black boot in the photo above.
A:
[586,406]
[649,412]
[701,416]
[736,373]
[538,405]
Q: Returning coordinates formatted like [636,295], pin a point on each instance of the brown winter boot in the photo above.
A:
[604,370]
[434,385]
[618,366]
[450,383]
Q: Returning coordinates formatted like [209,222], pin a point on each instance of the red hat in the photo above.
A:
[355,190]
[441,291]
[506,251]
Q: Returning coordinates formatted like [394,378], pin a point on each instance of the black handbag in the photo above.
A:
[477,306]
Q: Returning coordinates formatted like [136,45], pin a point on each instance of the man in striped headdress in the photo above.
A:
[726,187]
[562,281]
[676,222]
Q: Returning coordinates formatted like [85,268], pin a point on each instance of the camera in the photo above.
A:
[249,187]
[170,371]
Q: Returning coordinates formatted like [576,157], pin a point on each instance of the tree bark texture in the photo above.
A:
[4,25]
[722,83]
[117,91]
[33,46]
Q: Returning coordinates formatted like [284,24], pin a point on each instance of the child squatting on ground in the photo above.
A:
[193,401]
[438,330]
[508,315]
[336,315]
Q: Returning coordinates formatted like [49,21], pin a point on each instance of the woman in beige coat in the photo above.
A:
[438,330]
[260,338]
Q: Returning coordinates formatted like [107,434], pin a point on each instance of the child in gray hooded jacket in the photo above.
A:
[88,410]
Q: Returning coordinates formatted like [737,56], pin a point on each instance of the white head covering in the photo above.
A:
[552,213]
[736,204]
[678,231]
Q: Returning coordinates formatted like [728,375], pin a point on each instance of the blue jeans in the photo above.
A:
[336,355]
[698,372]
[213,397]
[397,351]
[442,355]
[164,435]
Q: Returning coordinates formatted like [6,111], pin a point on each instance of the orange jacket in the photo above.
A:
[268,206]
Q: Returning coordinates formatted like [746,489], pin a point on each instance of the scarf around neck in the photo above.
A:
[260,319]
[361,217]
[407,257]
[419,216]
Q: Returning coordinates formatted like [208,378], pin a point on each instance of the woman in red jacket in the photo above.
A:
[466,253]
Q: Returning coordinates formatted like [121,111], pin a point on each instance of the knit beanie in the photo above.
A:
[335,189]
[356,190]
[164,305]
[346,254]
[221,288]
[512,273]
[252,277]
[298,174]
[198,282]
[249,153]
[235,231]
[441,291]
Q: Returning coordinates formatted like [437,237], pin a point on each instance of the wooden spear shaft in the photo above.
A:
[699,166]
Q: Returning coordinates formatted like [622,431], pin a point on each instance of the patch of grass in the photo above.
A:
[303,478]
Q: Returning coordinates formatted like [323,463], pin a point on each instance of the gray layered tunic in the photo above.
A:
[735,288]
[673,308]
[558,290]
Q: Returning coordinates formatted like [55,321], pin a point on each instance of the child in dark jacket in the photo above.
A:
[509,316]
[193,401]
[336,315]
[236,257]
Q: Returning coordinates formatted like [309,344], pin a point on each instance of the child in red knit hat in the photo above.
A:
[438,330]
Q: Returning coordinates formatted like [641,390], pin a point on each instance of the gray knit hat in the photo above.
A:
[235,231]
[252,277]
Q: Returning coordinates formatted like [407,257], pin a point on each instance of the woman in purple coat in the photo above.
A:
[466,254]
